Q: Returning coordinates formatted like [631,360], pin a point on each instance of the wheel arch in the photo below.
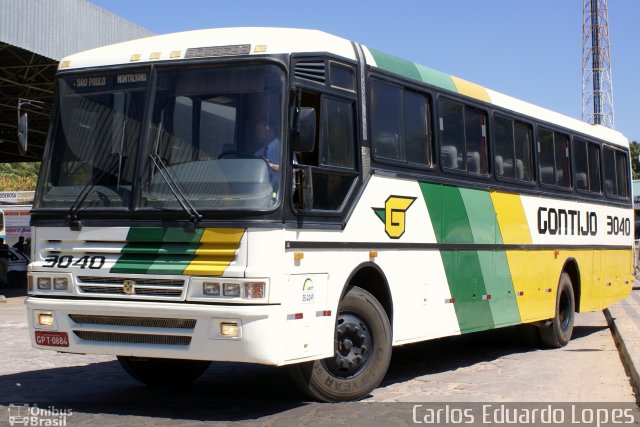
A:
[571,268]
[370,277]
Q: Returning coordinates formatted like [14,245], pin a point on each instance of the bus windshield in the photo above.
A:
[212,137]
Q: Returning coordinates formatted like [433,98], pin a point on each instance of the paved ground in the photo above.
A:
[498,366]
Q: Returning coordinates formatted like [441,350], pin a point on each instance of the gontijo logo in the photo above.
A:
[394,215]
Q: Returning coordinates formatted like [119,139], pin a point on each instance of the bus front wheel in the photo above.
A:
[558,332]
[163,372]
[362,345]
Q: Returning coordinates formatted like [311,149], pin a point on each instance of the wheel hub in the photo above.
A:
[353,344]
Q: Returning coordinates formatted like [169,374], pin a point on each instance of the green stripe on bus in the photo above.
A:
[479,281]
[158,250]
[495,269]
[413,70]
[396,65]
[436,78]
[133,264]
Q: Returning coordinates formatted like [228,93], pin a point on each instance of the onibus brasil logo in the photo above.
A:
[394,215]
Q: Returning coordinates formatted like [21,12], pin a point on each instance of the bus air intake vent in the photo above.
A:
[211,51]
[127,338]
[311,70]
[142,322]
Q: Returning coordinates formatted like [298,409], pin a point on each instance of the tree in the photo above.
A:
[18,176]
[635,162]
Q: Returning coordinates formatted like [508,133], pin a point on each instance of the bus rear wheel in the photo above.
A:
[362,348]
[558,333]
[163,372]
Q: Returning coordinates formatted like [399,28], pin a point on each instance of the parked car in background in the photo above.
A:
[18,262]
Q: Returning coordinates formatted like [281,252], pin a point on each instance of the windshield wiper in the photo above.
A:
[72,215]
[183,201]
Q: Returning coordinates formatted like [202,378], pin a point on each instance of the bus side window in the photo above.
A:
[616,169]
[553,154]
[463,137]
[512,148]
[400,127]
[451,126]
[587,166]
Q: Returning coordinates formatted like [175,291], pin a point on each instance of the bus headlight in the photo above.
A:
[228,290]
[51,283]
[60,283]
[232,290]
[211,289]
[44,283]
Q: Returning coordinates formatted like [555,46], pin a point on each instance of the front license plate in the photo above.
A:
[52,339]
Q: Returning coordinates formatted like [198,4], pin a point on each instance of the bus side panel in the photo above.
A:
[479,280]
[529,269]
[617,280]
[531,272]
[495,270]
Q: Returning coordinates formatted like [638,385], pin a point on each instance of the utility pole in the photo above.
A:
[597,86]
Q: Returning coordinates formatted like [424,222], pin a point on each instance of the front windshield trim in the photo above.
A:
[202,161]
[89,208]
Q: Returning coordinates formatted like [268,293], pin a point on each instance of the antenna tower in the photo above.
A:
[597,86]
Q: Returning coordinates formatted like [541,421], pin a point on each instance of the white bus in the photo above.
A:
[288,197]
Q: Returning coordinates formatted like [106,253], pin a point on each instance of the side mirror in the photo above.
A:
[304,132]
[23,132]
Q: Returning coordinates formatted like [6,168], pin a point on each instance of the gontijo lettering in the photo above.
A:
[567,222]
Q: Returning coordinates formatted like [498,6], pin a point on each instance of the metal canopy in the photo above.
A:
[24,75]
[34,36]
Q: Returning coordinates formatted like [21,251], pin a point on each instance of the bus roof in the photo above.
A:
[259,41]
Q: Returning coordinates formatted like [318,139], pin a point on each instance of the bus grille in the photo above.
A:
[142,322]
[128,338]
[115,286]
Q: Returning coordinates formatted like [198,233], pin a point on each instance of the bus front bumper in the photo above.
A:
[239,333]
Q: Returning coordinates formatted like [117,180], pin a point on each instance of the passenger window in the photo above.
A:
[451,135]
[616,170]
[587,166]
[417,128]
[523,138]
[386,121]
[400,125]
[463,137]
[553,156]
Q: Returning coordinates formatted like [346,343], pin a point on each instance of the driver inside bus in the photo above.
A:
[266,138]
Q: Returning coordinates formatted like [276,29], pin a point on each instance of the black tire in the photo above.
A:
[362,344]
[558,333]
[163,372]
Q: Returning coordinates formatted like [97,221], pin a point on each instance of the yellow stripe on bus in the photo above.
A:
[471,89]
[511,218]
[217,250]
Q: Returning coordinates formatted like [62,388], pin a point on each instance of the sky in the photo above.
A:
[530,50]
